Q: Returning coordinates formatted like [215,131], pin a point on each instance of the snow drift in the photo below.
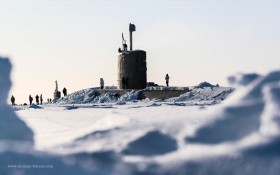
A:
[204,95]
[34,106]
[239,136]
[205,84]
[17,155]
[79,97]
[86,96]
[242,79]
[11,127]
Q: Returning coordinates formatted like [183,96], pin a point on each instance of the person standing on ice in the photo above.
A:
[13,100]
[64,92]
[41,99]
[167,80]
[37,99]
[101,83]
[30,99]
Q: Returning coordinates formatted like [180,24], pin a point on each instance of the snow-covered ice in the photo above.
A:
[240,135]
[242,79]
[205,95]
[11,127]
[89,95]
[34,106]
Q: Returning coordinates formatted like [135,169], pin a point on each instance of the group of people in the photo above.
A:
[39,99]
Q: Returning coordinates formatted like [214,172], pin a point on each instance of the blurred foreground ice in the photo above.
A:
[239,136]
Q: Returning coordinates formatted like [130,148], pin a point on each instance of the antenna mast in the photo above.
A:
[132,28]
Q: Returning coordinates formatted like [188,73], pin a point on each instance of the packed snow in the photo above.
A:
[86,96]
[205,84]
[83,96]
[34,106]
[204,95]
[149,137]
[242,79]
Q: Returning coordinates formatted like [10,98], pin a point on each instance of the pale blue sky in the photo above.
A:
[76,41]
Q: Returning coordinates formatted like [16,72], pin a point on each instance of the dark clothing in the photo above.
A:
[167,79]
[37,99]
[13,100]
[64,92]
[41,99]
[30,99]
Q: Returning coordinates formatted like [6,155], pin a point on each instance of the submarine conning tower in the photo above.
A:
[132,66]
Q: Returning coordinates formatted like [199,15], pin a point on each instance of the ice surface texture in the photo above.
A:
[86,96]
[152,144]
[238,137]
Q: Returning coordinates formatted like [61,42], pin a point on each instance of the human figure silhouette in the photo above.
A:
[167,80]
[41,99]
[64,92]
[30,100]
[13,100]
[37,99]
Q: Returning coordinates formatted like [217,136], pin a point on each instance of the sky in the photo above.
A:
[75,41]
